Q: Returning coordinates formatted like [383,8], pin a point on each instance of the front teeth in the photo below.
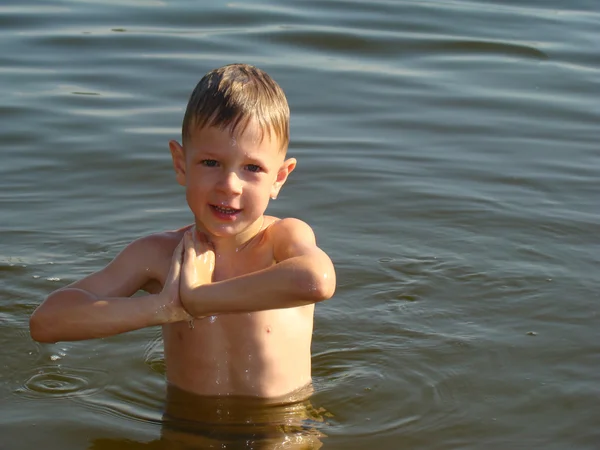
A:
[225,210]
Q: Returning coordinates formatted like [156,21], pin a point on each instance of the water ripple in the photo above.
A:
[52,381]
[483,48]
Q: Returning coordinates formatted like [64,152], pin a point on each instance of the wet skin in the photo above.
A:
[249,281]
[261,353]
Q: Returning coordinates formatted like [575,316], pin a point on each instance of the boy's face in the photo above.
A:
[229,179]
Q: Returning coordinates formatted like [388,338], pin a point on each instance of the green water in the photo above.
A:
[448,162]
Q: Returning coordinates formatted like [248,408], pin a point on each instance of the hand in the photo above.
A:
[198,263]
[172,307]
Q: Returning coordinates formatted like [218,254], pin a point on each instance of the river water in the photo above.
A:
[449,162]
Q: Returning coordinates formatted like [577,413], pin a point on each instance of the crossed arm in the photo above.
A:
[101,305]
[304,274]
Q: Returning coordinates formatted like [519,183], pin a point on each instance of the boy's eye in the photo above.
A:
[209,163]
[253,168]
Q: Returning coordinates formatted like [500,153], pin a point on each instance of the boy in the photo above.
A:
[235,291]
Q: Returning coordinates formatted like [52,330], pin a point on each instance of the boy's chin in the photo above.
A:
[225,231]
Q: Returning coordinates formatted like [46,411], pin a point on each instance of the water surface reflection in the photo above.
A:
[192,421]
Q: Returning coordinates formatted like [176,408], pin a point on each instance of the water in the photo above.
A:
[448,162]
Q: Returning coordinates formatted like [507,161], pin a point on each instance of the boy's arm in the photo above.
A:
[100,304]
[303,275]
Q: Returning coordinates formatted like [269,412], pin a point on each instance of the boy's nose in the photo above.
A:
[231,183]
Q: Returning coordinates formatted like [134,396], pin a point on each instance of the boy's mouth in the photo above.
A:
[225,210]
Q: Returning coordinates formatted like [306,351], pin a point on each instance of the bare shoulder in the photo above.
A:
[291,228]
[141,264]
[158,244]
[291,237]
[155,250]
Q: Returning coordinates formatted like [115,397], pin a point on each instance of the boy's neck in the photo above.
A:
[235,243]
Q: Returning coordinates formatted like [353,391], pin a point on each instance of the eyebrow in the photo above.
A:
[207,153]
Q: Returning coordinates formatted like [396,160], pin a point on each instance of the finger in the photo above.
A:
[175,262]
[189,248]
[178,250]
[202,242]
[178,255]
[188,270]
[201,246]
[211,263]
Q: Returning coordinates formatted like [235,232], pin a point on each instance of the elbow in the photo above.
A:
[40,326]
[327,289]
[39,330]
[322,285]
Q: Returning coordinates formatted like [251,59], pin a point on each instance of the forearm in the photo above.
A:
[290,283]
[74,314]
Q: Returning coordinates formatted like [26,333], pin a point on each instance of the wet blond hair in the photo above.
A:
[232,96]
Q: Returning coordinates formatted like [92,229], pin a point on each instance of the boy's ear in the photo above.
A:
[286,168]
[178,156]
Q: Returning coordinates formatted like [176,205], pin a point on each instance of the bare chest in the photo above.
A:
[230,266]
[245,354]
[260,334]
